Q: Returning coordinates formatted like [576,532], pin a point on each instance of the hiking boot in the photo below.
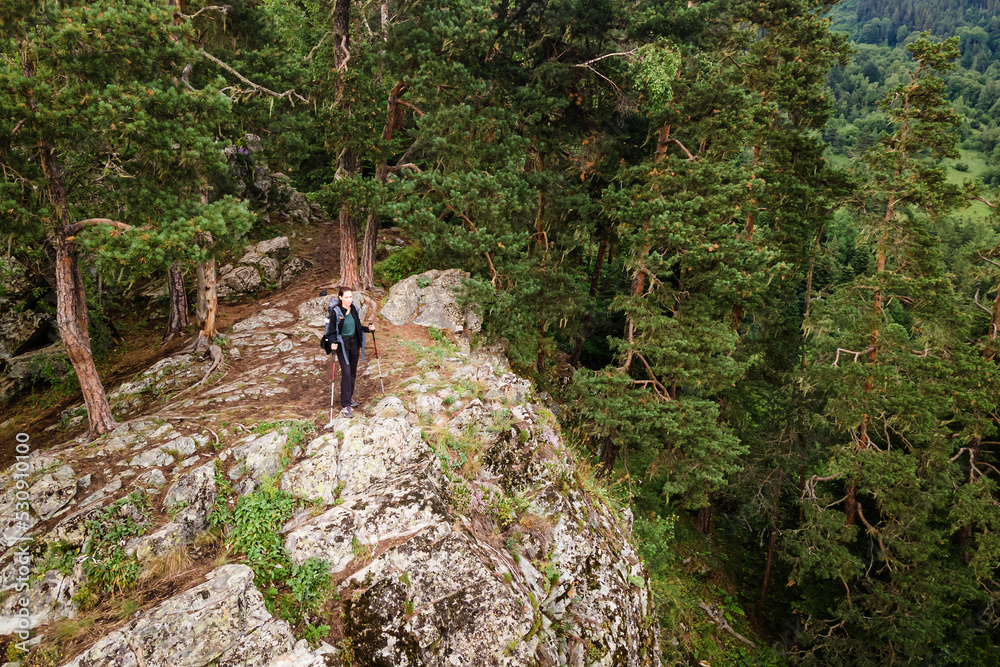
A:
[354,403]
[346,412]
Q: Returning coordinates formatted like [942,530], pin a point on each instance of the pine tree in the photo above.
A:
[106,126]
[881,508]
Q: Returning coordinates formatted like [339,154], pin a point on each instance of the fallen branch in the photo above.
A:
[720,620]
[976,300]
[690,158]
[222,9]
[874,533]
[809,486]
[410,106]
[856,354]
[493,271]
[607,55]
[288,93]
[319,44]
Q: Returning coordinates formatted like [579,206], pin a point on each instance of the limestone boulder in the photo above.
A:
[403,302]
[193,494]
[14,284]
[50,598]
[46,364]
[276,248]
[239,280]
[222,622]
[20,330]
[429,299]
[53,492]
[268,267]
[259,456]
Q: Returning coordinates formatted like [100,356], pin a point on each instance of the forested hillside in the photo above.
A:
[754,265]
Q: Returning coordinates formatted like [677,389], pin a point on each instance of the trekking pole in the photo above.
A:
[379,361]
[333,383]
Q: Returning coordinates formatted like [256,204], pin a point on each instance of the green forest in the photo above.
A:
[749,247]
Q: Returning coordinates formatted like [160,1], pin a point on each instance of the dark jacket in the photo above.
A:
[335,320]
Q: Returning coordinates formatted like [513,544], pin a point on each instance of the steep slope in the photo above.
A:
[445,524]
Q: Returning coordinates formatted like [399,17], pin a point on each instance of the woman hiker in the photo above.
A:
[345,333]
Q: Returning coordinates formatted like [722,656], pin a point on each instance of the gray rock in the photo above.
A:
[429,405]
[239,280]
[151,458]
[20,329]
[268,266]
[50,598]
[391,509]
[429,300]
[269,317]
[222,622]
[183,445]
[261,455]
[194,491]
[390,406]
[316,475]
[152,477]
[493,354]
[277,248]
[14,283]
[49,495]
[24,370]
[403,301]
[157,544]
[292,268]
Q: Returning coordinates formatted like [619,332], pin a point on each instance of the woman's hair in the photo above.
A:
[344,289]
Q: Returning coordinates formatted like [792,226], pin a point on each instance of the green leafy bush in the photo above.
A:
[109,570]
[399,265]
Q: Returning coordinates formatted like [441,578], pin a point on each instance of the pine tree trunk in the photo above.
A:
[348,249]
[178,303]
[201,303]
[209,299]
[347,163]
[771,543]
[541,348]
[595,278]
[704,520]
[71,318]
[368,248]
[71,301]
[609,454]
[393,121]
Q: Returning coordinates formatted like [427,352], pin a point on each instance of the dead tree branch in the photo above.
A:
[288,93]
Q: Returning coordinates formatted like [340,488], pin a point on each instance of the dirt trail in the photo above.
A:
[307,395]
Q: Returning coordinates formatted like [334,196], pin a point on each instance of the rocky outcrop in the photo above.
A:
[428,299]
[271,193]
[448,513]
[222,622]
[266,264]
[22,332]
[48,364]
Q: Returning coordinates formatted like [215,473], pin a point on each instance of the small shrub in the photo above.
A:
[257,520]
[961,166]
[310,583]
[59,556]
[108,569]
[399,265]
